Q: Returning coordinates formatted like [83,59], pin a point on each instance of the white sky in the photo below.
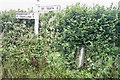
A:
[25,4]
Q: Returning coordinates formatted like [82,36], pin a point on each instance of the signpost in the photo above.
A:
[24,15]
[49,8]
[35,15]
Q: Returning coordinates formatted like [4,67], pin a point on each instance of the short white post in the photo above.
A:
[81,57]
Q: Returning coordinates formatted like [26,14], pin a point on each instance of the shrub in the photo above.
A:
[61,33]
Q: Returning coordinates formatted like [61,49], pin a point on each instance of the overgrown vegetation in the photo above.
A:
[51,54]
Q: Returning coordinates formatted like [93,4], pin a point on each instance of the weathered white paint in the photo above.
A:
[81,57]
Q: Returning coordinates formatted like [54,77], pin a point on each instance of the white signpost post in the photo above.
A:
[35,15]
[36,18]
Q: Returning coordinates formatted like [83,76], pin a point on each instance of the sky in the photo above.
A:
[25,4]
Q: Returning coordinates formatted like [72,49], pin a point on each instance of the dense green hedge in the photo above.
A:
[60,34]
[93,28]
